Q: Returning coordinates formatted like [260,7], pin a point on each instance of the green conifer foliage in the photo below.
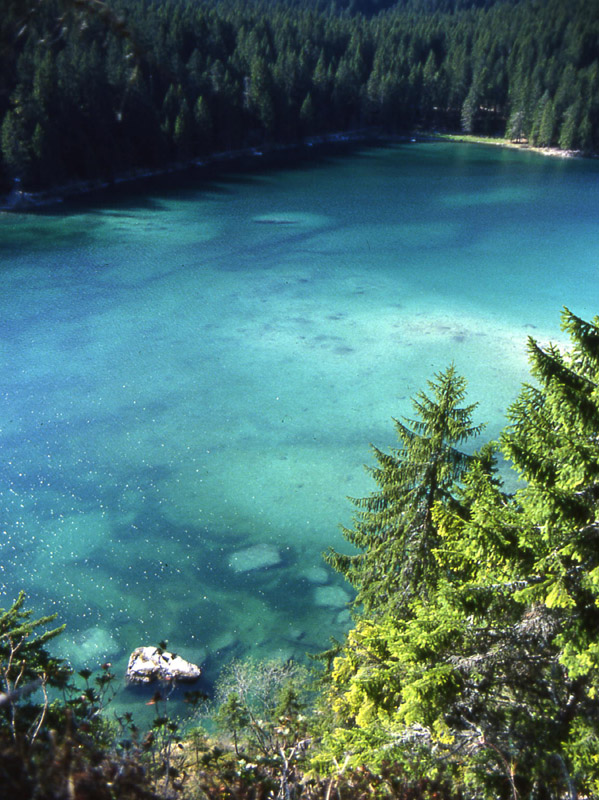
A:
[554,445]
[182,131]
[15,150]
[394,526]
[307,115]
[494,672]
[203,125]
[547,125]
[260,95]
[469,109]
[95,77]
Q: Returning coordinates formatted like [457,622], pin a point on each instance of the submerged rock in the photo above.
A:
[259,556]
[274,221]
[317,575]
[96,643]
[331,596]
[224,641]
[147,664]
[89,647]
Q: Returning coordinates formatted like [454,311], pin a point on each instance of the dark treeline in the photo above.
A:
[89,91]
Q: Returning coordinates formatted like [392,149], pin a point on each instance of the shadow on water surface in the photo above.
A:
[19,231]
[220,177]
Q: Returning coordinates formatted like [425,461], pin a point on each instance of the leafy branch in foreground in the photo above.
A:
[59,746]
[25,665]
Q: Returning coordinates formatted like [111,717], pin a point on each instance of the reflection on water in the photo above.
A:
[188,396]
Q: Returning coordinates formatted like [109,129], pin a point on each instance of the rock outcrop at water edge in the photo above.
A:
[147,664]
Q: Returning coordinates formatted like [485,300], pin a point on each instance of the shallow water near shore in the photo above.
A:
[193,371]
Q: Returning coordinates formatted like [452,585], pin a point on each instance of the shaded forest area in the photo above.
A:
[90,90]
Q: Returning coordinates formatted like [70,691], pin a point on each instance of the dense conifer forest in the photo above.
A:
[89,89]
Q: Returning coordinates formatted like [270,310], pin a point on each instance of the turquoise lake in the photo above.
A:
[193,371]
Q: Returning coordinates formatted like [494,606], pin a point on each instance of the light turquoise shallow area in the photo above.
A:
[191,377]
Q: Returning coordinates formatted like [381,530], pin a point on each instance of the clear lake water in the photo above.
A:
[193,370]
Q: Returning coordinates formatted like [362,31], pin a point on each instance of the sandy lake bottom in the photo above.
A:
[193,373]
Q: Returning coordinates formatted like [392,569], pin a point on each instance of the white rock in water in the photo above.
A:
[147,664]
[259,556]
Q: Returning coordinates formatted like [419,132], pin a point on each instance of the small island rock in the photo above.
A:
[147,664]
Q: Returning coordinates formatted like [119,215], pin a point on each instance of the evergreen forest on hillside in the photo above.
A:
[472,667]
[90,90]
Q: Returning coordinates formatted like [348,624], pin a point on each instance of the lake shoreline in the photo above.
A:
[554,152]
[247,158]
[20,201]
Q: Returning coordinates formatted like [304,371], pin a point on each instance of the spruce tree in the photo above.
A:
[203,125]
[307,115]
[183,131]
[394,526]
[524,574]
[469,109]
[494,672]
[520,592]
[569,127]
[547,125]
[553,443]
[14,144]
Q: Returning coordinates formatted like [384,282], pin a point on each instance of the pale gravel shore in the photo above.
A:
[544,151]
[524,146]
